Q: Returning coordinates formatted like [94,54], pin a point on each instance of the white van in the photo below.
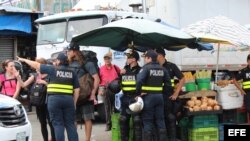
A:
[14,122]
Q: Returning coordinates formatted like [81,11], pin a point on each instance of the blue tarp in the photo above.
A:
[16,22]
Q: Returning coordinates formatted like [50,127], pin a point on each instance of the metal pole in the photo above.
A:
[41,5]
[217,65]
[144,6]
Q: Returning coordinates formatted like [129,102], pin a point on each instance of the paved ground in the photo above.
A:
[98,133]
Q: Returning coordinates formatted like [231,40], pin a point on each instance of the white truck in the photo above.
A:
[56,31]
[182,13]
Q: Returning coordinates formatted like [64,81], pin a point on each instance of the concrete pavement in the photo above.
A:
[98,131]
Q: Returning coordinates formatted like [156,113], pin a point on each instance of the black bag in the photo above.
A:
[90,56]
[38,94]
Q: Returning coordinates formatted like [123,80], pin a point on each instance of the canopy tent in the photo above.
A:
[221,30]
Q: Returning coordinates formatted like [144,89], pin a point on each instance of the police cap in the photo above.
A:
[152,54]
[133,54]
[73,46]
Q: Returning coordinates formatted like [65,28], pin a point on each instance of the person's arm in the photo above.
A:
[236,83]
[178,89]
[167,87]
[17,92]
[27,82]
[181,78]
[140,79]
[76,95]
[95,87]
[31,63]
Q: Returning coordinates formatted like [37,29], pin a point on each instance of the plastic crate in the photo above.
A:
[237,116]
[221,130]
[204,121]
[183,129]
[203,134]
[115,121]
[116,135]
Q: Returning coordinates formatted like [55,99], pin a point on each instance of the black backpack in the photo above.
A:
[38,93]
[90,56]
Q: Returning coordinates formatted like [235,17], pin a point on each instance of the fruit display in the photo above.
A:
[224,83]
[202,104]
[189,77]
[201,74]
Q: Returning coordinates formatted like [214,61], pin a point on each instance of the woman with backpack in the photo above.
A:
[8,80]
[38,95]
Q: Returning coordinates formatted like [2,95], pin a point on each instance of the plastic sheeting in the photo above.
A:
[16,22]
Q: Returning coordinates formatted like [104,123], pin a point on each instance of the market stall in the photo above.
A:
[208,106]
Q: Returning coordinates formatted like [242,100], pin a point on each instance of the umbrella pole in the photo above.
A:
[217,64]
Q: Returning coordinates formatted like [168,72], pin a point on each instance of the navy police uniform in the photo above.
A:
[60,91]
[151,80]
[244,75]
[129,93]
[171,106]
[128,81]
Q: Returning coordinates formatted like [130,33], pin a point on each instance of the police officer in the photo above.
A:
[129,93]
[63,91]
[171,105]
[151,81]
[244,74]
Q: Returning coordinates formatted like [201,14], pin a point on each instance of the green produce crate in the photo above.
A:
[116,133]
[203,134]
[204,121]
[183,129]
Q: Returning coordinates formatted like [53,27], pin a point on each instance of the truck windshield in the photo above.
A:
[80,26]
[54,32]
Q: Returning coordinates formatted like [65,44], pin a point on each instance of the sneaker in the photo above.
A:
[108,128]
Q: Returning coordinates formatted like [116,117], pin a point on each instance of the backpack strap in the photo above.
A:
[117,72]
[5,80]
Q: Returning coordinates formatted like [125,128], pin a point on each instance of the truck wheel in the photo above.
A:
[101,112]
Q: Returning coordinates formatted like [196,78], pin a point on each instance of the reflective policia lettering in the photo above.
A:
[156,73]
[128,78]
[64,74]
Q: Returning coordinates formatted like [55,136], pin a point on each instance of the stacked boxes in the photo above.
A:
[235,116]
[203,128]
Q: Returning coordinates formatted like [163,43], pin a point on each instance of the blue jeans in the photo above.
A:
[153,112]
[62,115]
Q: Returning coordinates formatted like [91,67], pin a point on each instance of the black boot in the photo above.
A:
[137,128]
[163,135]
[124,127]
[171,127]
[147,136]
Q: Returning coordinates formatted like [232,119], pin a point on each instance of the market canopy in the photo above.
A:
[220,29]
[121,34]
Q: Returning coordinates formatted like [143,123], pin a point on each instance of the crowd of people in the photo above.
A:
[154,82]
